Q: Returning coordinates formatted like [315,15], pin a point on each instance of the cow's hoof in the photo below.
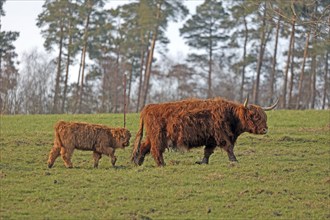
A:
[204,161]
[135,161]
[201,162]
[138,161]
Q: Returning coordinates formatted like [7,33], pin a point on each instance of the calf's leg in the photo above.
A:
[54,153]
[66,154]
[111,153]
[97,156]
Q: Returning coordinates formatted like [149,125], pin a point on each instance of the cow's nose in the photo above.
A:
[264,130]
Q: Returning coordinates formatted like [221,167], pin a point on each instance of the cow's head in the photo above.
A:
[255,118]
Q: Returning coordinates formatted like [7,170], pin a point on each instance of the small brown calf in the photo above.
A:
[83,136]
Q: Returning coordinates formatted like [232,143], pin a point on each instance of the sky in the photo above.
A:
[21,16]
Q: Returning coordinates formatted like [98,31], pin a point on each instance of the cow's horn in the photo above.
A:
[246,101]
[270,107]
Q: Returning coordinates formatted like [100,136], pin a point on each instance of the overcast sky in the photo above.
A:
[21,16]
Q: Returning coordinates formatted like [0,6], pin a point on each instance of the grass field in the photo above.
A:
[282,175]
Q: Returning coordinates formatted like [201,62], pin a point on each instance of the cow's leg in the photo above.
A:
[158,156]
[54,153]
[230,152]
[157,148]
[66,154]
[208,151]
[144,150]
[97,156]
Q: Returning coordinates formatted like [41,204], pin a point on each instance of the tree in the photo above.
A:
[264,34]
[241,11]
[34,95]
[315,21]
[53,20]
[163,12]
[8,70]
[274,61]
[72,33]
[290,53]
[89,11]
[204,31]
[183,80]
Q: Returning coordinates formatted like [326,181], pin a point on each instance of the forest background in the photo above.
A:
[265,49]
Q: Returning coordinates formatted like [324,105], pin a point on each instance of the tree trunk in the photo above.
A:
[209,81]
[302,73]
[292,74]
[130,78]
[81,87]
[58,74]
[313,82]
[148,69]
[286,72]
[273,73]
[260,58]
[140,82]
[325,85]
[313,66]
[246,33]
[67,70]
[151,55]
[83,58]
[115,85]
[77,86]
[313,75]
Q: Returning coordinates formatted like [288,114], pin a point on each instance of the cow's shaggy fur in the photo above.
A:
[193,123]
[83,136]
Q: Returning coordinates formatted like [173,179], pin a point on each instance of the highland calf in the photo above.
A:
[91,137]
[194,123]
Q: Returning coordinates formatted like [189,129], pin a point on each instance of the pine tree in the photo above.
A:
[204,31]
[8,69]
[162,12]
[53,19]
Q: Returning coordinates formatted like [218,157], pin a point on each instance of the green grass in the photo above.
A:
[282,175]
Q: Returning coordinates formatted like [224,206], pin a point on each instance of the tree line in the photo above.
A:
[265,49]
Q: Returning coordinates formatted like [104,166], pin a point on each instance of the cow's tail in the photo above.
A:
[137,143]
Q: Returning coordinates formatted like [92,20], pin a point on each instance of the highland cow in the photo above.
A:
[91,137]
[194,123]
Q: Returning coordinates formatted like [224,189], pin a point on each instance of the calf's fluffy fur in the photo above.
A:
[83,136]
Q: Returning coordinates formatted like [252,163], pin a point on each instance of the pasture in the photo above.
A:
[284,174]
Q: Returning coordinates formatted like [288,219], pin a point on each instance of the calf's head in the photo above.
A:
[123,138]
[255,118]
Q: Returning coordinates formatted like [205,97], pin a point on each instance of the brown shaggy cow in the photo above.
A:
[83,136]
[196,122]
